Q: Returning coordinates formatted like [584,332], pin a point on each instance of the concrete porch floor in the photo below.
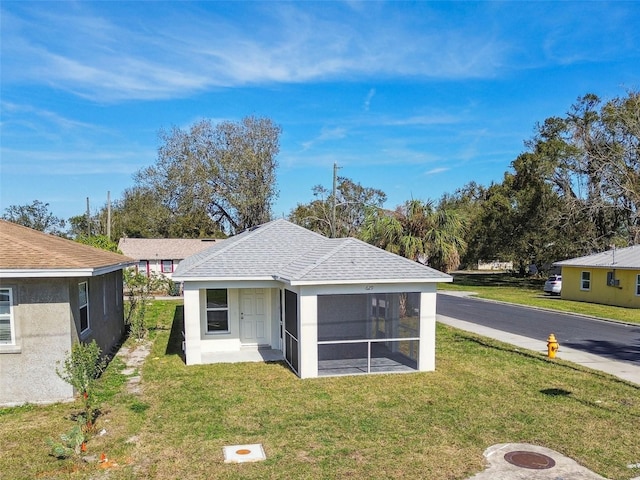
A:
[358,366]
[244,355]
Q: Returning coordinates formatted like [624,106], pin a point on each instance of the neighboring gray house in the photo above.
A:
[326,306]
[53,292]
[161,256]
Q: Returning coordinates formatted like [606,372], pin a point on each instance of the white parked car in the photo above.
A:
[553,285]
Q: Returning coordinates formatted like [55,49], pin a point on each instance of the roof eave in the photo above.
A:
[60,272]
[261,278]
[610,266]
[376,281]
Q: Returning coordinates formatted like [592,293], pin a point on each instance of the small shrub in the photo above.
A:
[82,366]
[71,443]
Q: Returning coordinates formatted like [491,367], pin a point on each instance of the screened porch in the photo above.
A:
[368,333]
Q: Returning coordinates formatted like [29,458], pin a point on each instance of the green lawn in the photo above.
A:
[431,425]
[528,291]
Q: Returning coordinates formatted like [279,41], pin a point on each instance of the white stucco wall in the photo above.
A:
[308,335]
[427,352]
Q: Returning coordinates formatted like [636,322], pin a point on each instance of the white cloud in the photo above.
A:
[367,100]
[100,53]
[435,171]
[417,120]
[95,161]
[14,111]
[326,134]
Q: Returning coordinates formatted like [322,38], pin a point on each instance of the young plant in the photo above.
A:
[71,443]
[82,366]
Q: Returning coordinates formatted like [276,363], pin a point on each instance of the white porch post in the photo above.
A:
[308,336]
[192,311]
[427,352]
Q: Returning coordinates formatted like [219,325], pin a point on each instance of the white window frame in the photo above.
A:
[85,305]
[585,283]
[10,316]
[638,285]
[162,269]
[147,267]
[216,309]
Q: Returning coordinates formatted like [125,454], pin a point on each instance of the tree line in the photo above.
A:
[574,190]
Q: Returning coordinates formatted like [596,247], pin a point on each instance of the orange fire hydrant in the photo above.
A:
[552,346]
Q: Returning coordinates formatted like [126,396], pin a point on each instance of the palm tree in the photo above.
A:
[418,231]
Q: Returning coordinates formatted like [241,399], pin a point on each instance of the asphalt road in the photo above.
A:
[620,342]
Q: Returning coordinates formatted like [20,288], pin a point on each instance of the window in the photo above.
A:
[585,281]
[83,305]
[638,285]
[217,311]
[167,266]
[7,328]
[143,267]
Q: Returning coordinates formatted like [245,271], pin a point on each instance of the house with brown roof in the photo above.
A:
[161,256]
[53,292]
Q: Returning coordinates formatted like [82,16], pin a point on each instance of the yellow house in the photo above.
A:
[610,278]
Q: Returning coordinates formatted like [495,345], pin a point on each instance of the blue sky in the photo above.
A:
[414,98]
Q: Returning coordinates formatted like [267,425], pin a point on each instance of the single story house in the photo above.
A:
[610,278]
[161,256]
[53,292]
[325,306]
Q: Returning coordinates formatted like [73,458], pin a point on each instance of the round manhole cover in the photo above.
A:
[536,461]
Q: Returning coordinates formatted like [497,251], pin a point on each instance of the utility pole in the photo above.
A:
[333,197]
[109,215]
[88,219]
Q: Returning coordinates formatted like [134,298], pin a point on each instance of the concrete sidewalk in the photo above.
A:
[623,370]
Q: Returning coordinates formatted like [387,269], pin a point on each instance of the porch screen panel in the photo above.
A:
[342,317]
[291,329]
[368,333]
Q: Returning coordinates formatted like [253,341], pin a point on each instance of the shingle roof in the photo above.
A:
[621,258]
[162,248]
[283,250]
[27,249]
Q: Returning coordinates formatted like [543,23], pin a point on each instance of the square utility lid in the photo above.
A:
[244,453]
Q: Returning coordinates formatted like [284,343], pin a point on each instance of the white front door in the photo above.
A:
[254,326]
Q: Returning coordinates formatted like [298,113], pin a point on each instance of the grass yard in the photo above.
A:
[528,291]
[422,425]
